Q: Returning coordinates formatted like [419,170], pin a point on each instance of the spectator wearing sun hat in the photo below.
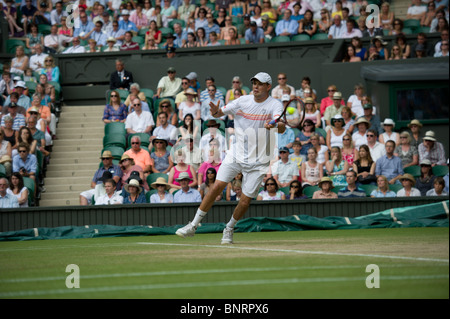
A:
[162,195]
[334,109]
[408,189]
[425,181]
[325,185]
[432,150]
[389,133]
[416,135]
[186,194]
[130,170]
[134,193]
[111,45]
[126,24]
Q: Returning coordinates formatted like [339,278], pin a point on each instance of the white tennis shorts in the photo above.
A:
[252,174]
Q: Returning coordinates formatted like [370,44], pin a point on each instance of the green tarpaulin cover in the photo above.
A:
[432,215]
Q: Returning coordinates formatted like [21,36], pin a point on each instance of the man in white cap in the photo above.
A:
[186,194]
[125,24]
[18,97]
[250,155]
[432,150]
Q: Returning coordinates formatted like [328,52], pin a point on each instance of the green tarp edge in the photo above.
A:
[430,215]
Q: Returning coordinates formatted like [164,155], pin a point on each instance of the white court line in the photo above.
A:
[299,251]
[60,292]
[196,272]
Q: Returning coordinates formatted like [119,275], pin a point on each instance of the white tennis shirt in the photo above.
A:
[253,143]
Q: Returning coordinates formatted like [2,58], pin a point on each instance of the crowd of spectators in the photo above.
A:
[93,26]
[29,109]
[329,158]
[339,134]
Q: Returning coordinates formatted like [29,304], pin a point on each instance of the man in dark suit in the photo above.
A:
[120,79]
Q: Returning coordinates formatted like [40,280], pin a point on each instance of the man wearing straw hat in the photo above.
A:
[127,165]
[334,109]
[432,150]
[186,194]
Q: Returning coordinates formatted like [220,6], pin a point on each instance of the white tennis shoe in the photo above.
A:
[186,231]
[227,236]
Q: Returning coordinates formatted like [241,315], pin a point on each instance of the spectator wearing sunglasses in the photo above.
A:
[140,156]
[296,191]
[169,85]
[115,110]
[139,121]
[271,191]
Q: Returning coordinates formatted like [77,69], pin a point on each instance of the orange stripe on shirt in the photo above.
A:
[256,117]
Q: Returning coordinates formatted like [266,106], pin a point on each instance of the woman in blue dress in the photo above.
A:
[305,135]
[134,193]
[115,110]
[162,161]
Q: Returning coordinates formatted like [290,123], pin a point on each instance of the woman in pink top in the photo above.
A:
[180,168]
[212,162]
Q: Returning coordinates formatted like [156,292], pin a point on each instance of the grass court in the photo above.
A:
[412,263]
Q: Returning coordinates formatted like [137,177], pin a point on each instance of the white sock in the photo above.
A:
[198,217]
[232,222]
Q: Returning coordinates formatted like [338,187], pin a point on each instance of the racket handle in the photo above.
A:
[273,122]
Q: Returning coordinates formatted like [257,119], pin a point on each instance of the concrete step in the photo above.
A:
[80,136]
[69,147]
[79,118]
[94,155]
[89,173]
[81,124]
[57,189]
[76,155]
[72,181]
[81,142]
[80,130]
[83,109]
[73,164]
[68,199]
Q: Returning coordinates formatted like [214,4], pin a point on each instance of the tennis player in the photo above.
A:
[249,155]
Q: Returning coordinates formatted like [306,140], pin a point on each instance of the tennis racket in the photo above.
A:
[294,120]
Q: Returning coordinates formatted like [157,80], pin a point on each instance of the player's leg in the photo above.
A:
[226,173]
[239,212]
[252,177]
[205,206]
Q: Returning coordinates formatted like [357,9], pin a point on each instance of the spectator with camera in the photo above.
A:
[24,162]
